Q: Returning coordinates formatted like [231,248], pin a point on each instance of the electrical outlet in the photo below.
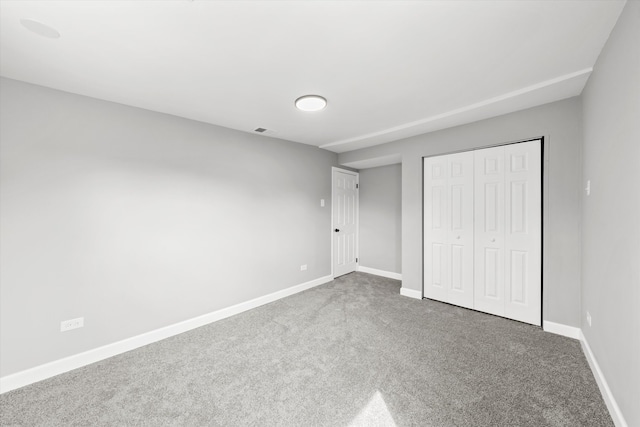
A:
[322,203]
[588,187]
[303,267]
[67,325]
[589,318]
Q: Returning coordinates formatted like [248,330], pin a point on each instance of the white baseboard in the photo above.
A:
[607,396]
[48,370]
[411,293]
[609,400]
[42,372]
[560,329]
[387,274]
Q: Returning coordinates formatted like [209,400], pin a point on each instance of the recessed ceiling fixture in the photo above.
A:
[311,103]
[40,29]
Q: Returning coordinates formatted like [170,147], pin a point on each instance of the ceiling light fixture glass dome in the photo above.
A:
[311,103]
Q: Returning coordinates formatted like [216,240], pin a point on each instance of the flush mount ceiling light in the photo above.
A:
[311,103]
[40,29]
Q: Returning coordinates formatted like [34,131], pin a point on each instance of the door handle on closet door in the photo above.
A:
[336,230]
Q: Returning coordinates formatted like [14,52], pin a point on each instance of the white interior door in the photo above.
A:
[483,230]
[523,232]
[460,233]
[489,231]
[435,228]
[448,228]
[345,221]
[508,231]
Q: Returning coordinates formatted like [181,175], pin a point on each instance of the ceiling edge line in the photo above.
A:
[484,103]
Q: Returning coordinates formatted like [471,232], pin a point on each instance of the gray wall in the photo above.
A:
[137,220]
[611,214]
[380,218]
[560,124]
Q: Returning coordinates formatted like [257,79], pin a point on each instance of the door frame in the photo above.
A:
[544,160]
[335,169]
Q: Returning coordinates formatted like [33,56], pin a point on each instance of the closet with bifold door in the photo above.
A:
[483,230]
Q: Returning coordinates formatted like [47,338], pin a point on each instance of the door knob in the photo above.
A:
[493,240]
[336,230]
[458,237]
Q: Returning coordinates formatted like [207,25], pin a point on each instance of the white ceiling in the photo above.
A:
[389,69]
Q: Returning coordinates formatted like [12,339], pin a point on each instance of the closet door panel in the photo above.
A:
[460,234]
[436,224]
[489,229]
[523,230]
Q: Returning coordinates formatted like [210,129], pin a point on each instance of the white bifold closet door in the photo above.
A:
[448,244]
[508,230]
[483,230]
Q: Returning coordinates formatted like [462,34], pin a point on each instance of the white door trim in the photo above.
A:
[357,175]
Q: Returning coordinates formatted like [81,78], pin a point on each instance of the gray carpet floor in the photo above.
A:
[352,352]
